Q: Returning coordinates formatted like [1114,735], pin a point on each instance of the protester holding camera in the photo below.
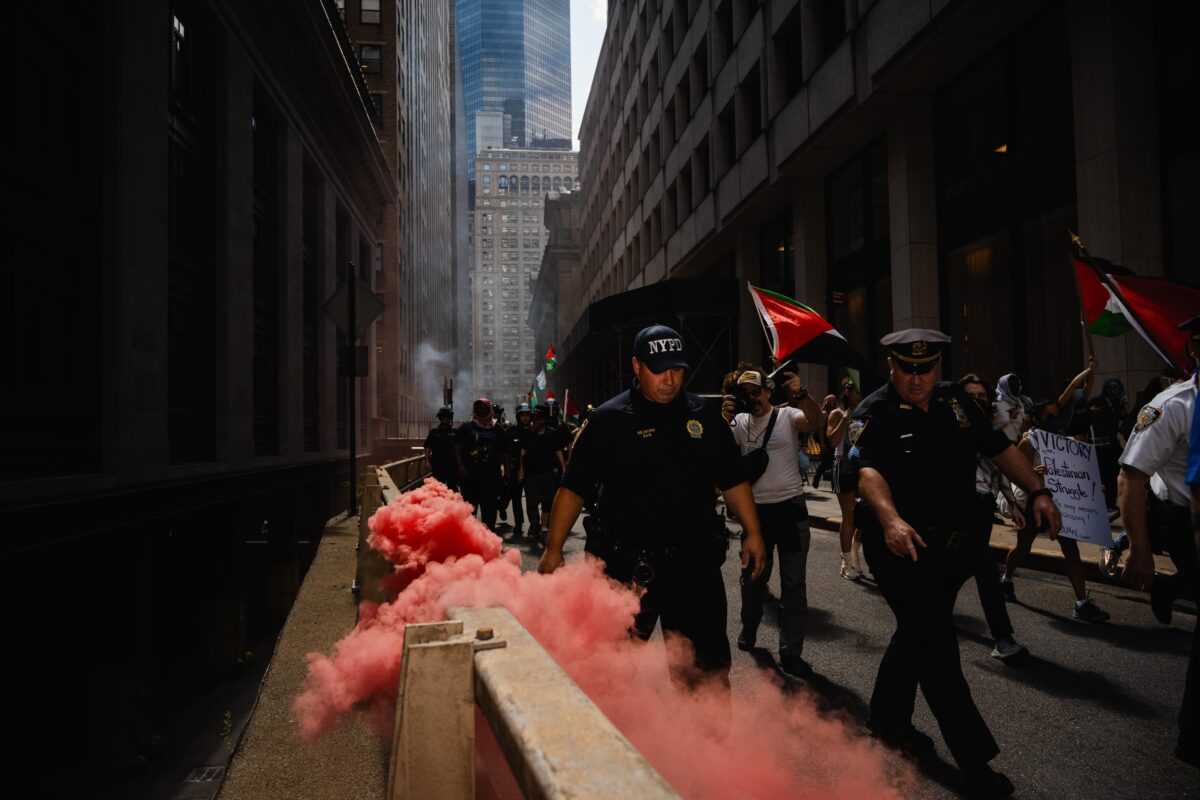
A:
[770,435]
[913,447]
[656,452]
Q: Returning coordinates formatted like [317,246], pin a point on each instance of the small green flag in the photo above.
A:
[551,361]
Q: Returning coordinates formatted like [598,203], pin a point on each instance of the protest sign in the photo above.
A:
[1073,478]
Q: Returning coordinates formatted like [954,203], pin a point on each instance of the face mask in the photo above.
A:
[1077,395]
[1052,425]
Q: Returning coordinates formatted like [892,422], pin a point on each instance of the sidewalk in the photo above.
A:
[1046,555]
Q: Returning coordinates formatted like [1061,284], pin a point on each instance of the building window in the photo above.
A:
[370,12]
[370,56]
[859,276]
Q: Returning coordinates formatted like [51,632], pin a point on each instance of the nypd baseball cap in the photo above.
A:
[660,348]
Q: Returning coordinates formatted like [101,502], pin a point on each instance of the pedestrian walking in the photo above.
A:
[513,483]
[989,482]
[1156,503]
[913,447]
[542,460]
[1045,417]
[844,487]
[440,450]
[482,446]
[827,455]
[656,452]
[779,500]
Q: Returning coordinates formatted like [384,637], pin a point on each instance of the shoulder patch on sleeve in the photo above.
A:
[857,426]
[1147,417]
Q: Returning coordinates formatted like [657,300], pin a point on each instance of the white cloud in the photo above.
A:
[600,10]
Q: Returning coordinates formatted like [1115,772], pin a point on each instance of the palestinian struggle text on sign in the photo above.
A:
[1073,477]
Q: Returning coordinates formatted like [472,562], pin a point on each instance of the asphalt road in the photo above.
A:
[1090,713]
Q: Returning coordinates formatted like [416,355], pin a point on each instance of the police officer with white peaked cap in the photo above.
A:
[913,445]
[1156,457]
[656,452]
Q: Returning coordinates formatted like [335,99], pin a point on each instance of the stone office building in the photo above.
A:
[890,163]
[509,235]
[183,181]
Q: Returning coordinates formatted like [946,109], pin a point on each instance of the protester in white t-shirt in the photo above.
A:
[779,499]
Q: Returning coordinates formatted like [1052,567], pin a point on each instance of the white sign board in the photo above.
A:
[1073,478]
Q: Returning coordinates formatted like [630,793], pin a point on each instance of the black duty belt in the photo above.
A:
[941,538]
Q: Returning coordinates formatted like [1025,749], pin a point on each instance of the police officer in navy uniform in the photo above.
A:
[440,448]
[657,453]
[1156,504]
[913,444]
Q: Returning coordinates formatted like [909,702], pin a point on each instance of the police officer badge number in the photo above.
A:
[1146,417]
[695,429]
[857,426]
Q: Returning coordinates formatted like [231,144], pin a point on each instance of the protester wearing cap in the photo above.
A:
[656,452]
[540,455]
[482,446]
[440,451]
[779,501]
[913,446]
[1155,494]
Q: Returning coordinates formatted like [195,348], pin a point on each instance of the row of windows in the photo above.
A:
[529,167]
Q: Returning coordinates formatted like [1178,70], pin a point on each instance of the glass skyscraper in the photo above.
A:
[516,60]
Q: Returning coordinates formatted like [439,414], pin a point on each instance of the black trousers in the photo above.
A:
[687,595]
[1170,528]
[483,491]
[924,649]
[983,567]
[512,494]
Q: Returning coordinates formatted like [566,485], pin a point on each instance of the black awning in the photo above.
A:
[664,302]
[595,356]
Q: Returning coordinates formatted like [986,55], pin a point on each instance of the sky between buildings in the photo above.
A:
[588,21]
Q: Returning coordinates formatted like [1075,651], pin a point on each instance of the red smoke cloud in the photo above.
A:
[775,746]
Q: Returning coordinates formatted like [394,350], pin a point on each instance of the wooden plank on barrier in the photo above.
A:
[433,746]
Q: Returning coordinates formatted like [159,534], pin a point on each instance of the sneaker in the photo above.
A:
[1161,600]
[849,571]
[1089,612]
[745,640]
[1007,647]
[1110,559]
[1009,590]
[985,783]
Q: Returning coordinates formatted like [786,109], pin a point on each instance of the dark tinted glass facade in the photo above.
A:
[516,59]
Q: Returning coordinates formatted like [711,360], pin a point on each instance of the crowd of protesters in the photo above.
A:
[494,463]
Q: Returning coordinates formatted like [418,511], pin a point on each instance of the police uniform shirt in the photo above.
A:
[658,465]
[1158,445]
[440,444]
[928,458]
[1193,476]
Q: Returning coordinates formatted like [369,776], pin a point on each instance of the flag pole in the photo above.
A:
[1078,243]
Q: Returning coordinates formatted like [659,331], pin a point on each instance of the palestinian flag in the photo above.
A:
[1102,311]
[1116,301]
[551,361]
[797,333]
